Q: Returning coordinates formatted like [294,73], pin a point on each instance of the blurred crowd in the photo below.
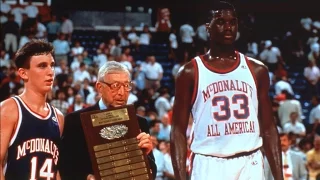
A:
[293,59]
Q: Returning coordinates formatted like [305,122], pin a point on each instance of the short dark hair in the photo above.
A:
[220,5]
[33,48]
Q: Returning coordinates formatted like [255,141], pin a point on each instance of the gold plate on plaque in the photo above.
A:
[117,150]
[115,144]
[109,117]
[123,169]
[121,162]
[119,156]
[126,174]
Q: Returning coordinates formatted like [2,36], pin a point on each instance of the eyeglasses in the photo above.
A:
[117,85]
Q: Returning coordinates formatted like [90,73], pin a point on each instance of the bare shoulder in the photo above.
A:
[60,119]
[9,110]
[187,70]
[259,68]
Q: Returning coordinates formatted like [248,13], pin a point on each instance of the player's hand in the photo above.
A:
[145,142]
[91,177]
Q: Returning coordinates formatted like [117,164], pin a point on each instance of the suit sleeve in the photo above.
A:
[145,128]
[74,162]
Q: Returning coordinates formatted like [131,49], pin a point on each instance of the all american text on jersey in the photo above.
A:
[226,85]
[240,127]
[38,145]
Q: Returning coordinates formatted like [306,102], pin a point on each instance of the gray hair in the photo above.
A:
[111,66]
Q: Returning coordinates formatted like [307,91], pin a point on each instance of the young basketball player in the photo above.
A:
[227,94]
[31,128]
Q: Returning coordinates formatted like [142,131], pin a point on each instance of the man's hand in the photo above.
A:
[145,142]
[91,177]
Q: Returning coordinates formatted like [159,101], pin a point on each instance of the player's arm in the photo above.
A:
[61,125]
[180,118]
[269,132]
[8,119]
[60,120]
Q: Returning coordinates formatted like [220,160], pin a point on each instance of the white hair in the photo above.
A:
[111,66]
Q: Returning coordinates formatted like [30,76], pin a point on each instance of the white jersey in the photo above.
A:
[225,109]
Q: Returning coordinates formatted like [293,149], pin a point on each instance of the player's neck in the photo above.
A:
[35,99]
[220,50]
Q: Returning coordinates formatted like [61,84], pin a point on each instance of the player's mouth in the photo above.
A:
[49,80]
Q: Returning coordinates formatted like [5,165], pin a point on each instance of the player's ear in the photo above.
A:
[23,73]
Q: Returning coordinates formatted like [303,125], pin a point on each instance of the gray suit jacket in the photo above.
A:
[299,170]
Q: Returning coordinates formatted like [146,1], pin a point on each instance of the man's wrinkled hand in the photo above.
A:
[145,142]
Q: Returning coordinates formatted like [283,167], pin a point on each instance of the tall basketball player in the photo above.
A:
[31,128]
[227,94]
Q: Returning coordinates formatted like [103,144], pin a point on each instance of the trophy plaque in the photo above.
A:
[111,140]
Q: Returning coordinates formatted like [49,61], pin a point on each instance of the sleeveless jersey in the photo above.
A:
[225,109]
[33,150]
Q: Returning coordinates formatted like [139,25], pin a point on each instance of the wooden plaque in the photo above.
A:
[111,140]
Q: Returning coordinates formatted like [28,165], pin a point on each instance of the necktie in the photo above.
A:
[285,167]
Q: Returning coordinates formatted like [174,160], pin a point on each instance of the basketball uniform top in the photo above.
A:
[225,109]
[33,150]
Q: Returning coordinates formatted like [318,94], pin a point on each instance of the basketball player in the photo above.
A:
[30,127]
[227,94]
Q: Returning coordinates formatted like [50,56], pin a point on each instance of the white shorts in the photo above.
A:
[248,167]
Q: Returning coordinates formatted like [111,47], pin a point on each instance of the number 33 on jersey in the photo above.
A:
[225,108]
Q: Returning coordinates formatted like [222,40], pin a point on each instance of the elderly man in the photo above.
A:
[114,85]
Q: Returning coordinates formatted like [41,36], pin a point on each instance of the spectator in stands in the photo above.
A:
[67,27]
[53,28]
[124,41]
[314,54]
[162,103]
[5,8]
[139,75]
[312,75]
[4,59]
[153,73]
[313,159]
[282,84]
[294,126]
[271,55]
[11,34]
[77,105]
[45,13]
[81,74]
[145,36]
[202,39]
[155,128]
[165,128]
[293,163]
[186,34]
[77,49]
[163,23]
[17,11]
[158,157]
[26,38]
[41,29]
[180,61]
[60,102]
[314,117]
[168,168]
[100,59]
[31,11]
[86,59]
[3,18]
[76,62]
[173,42]
[61,47]
[287,107]
[132,36]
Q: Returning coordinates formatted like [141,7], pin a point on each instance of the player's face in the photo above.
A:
[114,96]
[223,27]
[40,75]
